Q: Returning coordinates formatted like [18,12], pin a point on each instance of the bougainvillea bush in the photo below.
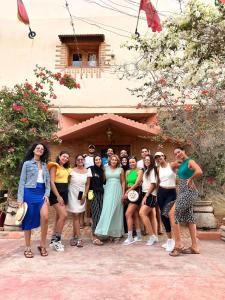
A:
[25,117]
[181,71]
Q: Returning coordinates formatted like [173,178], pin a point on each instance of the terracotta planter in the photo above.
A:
[204,214]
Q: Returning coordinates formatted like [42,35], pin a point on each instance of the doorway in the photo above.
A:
[102,149]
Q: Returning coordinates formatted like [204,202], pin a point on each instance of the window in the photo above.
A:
[84,50]
[77,60]
[92,60]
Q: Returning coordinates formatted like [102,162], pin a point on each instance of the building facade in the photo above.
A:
[102,112]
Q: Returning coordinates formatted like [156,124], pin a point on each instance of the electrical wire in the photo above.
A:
[96,25]
[105,25]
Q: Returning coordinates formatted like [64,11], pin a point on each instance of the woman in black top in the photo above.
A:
[96,185]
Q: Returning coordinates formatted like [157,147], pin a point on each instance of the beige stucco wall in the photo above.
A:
[19,55]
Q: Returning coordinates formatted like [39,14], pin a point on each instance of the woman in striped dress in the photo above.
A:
[95,195]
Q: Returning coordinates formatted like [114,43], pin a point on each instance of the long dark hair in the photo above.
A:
[67,164]
[30,153]
[125,167]
[98,155]
[151,166]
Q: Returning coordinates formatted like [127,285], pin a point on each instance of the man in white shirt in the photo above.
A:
[144,153]
[89,159]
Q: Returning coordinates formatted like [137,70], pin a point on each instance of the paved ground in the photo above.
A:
[112,272]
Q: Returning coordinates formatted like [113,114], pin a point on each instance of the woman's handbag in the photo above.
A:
[90,195]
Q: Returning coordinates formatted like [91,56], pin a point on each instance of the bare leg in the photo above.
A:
[144,212]
[76,225]
[62,215]
[81,221]
[175,228]
[153,220]
[193,232]
[27,236]
[44,224]
[55,222]
[130,216]
[159,221]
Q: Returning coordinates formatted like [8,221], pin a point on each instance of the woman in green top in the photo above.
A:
[182,211]
[133,181]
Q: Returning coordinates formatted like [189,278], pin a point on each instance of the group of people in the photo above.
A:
[105,184]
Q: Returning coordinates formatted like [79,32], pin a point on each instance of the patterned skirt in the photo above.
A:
[184,203]
[96,208]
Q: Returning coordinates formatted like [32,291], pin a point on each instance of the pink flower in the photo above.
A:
[162,81]
[24,120]
[210,180]
[204,92]
[57,75]
[17,107]
[33,130]
[42,106]
[188,107]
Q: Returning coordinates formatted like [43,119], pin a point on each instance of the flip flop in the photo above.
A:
[28,253]
[176,252]
[97,242]
[190,250]
[73,241]
[42,251]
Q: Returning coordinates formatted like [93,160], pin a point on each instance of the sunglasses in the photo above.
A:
[158,156]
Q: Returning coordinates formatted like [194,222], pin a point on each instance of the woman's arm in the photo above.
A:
[197,171]
[53,186]
[122,180]
[87,185]
[47,183]
[22,183]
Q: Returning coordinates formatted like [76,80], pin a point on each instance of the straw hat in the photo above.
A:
[20,214]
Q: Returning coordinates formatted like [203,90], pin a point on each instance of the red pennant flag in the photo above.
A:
[151,15]
[21,12]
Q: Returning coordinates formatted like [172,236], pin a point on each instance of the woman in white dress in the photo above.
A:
[78,189]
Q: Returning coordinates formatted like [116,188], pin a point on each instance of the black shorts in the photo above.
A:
[151,201]
[63,192]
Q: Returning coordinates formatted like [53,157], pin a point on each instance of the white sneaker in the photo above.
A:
[164,245]
[170,245]
[58,246]
[128,241]
[152,240]
[137,239]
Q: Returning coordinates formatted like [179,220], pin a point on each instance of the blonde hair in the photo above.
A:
[117,158]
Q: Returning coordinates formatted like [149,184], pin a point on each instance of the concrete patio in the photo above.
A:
[112,271]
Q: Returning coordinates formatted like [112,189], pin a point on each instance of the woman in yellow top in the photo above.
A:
[59,176]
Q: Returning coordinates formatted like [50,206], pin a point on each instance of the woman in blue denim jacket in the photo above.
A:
[34,189]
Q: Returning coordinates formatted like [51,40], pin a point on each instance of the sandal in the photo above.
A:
[42,251]
[73,241]
[176,252]
[97,242]
[80,244]
[28,253]
[190,250]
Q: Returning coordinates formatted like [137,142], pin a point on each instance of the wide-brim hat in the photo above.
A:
[133,196]
[21,213]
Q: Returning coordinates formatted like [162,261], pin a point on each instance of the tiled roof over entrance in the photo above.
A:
[93,125]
